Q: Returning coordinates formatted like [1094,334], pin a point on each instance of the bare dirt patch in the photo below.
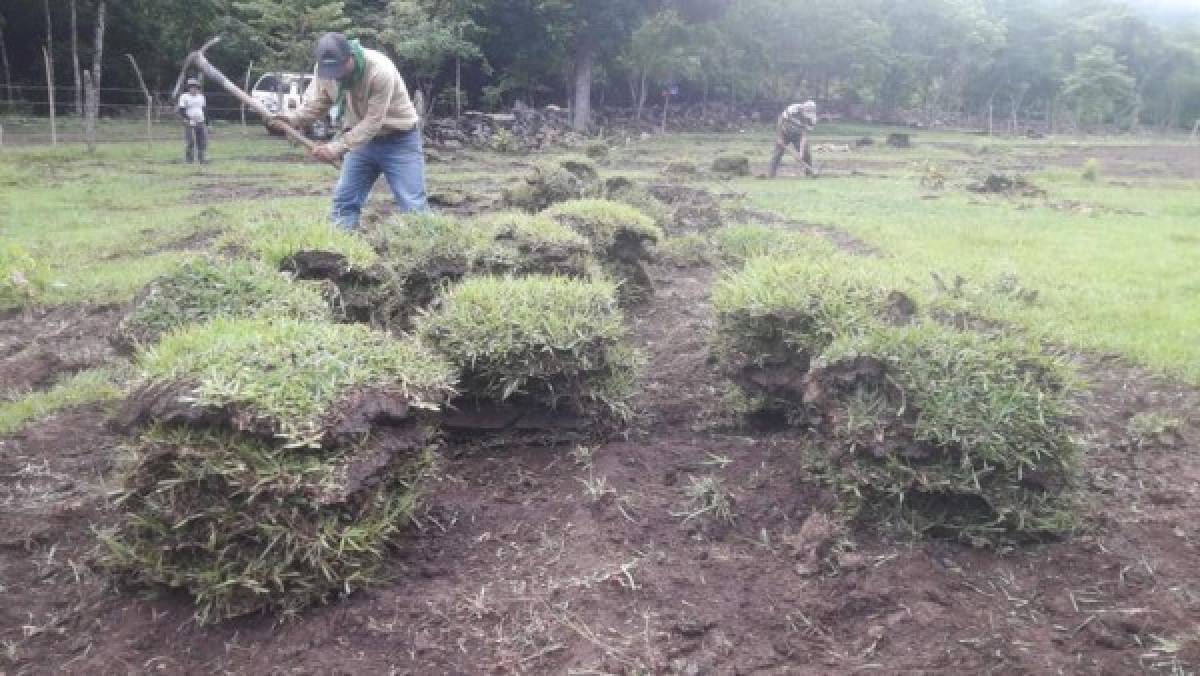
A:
[41,346]
[237,189]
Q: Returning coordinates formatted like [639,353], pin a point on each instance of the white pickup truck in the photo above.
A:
[285,92]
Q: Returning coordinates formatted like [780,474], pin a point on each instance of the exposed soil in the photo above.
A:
[237,188]
[39,347]
[544,560]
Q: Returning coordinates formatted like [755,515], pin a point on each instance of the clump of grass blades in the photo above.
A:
[737,244]
[287,376]
[23,278]
[950,432]
[206,289]
[552,341]
[244,526]
[275,240]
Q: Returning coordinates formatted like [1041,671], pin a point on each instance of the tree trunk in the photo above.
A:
[49,51]
[666,108]
[98,46]
[458,87]
[585,59]
[92,105]
[50,95]
[7,72]
[75,61]
[641,99]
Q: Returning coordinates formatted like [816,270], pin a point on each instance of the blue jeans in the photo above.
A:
[399,157]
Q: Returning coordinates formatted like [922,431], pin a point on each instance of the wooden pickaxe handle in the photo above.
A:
[198,59]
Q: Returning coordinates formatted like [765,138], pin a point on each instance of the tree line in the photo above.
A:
[1083,63]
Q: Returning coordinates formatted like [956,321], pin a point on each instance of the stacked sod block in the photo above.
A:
[941,431]
[619,235]
[528,346]
[549,183]
[275,461]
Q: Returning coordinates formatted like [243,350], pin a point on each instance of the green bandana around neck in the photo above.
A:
[360,67]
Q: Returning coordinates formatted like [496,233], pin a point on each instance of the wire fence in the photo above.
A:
[25,115]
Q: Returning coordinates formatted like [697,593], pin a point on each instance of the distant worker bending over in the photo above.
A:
[380,133]
[193,108]
[794,125]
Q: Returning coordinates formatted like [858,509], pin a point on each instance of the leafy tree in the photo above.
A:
[661,48]
[426,34]
[1098,84]
[287,30]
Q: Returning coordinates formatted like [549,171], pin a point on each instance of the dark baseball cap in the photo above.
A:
[332,51]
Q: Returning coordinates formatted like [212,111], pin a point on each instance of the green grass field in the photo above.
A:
[1113,260]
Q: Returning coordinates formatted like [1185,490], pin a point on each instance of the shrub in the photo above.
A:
[553,342]
[1091,170]
[206,289]
[307,383]
[619,235]
[243,525]
[275,240]
[23,278]
[952,433]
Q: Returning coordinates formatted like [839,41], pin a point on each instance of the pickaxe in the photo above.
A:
[199,60]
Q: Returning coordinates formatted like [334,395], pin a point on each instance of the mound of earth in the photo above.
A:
[1011,186]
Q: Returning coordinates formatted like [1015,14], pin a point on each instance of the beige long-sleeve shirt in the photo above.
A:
[377,103]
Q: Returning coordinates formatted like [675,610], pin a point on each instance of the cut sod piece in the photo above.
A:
[954,433]
[244,526]
[308,383]
[535,344]
[549,183]
[957,434]
[205,289]
[525,244]
[776,315]
[422,255]
[619,235]
[277,241]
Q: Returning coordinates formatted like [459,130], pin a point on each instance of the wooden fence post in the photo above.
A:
[50,96]
[1195,131]
[149,101]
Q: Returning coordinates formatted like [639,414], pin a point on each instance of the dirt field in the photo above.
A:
[585,560]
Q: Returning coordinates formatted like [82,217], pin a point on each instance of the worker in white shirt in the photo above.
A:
[192,109]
